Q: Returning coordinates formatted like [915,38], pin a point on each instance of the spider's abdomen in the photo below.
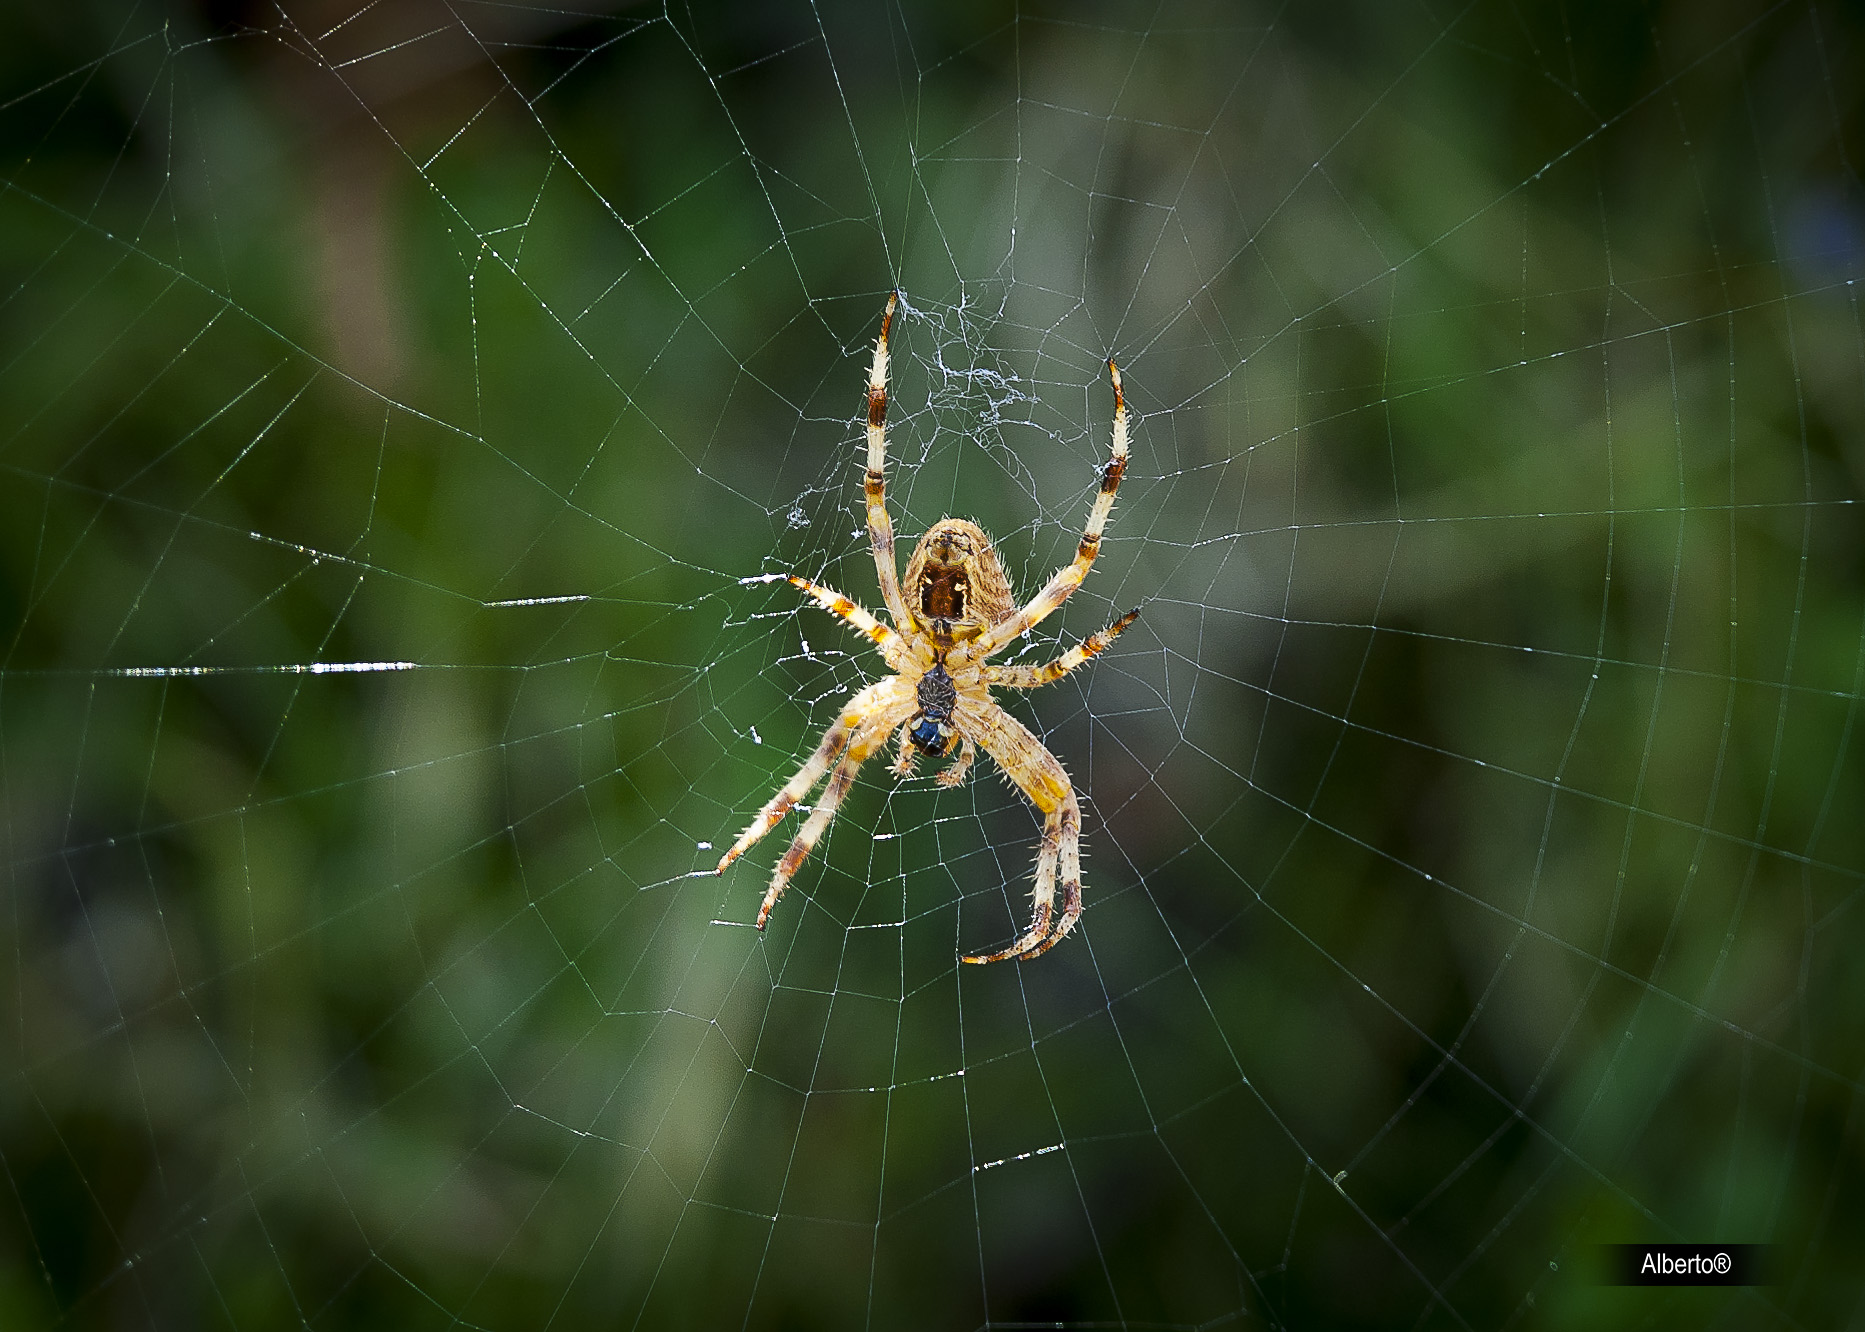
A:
[931,728]
[942,594]
[955,578]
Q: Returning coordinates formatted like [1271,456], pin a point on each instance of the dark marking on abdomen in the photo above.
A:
[942,594]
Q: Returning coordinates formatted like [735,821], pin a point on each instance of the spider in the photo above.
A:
[955,612]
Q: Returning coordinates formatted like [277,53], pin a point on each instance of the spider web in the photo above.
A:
[411,410]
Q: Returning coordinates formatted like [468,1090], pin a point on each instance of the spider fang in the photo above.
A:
[931,730]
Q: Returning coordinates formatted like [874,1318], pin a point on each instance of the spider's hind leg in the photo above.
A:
[874,484]
[1069,577]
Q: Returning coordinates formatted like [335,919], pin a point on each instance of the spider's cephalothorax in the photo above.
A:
[955,610]
[930,729]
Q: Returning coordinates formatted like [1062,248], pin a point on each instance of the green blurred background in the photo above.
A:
[1475,853]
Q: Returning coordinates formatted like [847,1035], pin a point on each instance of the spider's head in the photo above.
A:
[955,579]
[930,729]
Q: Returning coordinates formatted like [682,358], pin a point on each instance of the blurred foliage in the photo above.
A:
[1474,826]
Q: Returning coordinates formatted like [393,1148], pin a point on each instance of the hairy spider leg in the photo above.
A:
[880,526]
[878,698]
[1034,677]
[1039,775]
[1069,576]
[859,618]
[871,736]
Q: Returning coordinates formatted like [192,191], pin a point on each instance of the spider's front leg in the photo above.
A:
[878,698]
[1039,775]
[870,737]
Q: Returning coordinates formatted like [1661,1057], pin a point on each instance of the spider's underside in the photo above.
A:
[953,612]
